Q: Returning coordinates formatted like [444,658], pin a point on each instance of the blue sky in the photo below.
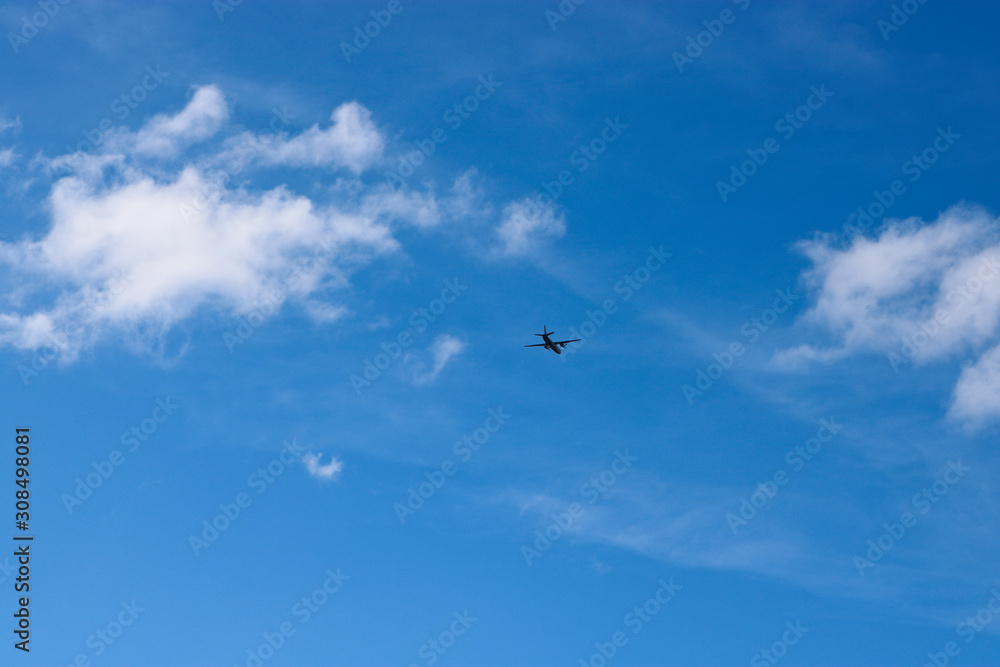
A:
[267,286]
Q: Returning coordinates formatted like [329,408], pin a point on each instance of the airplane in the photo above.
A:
[549,344]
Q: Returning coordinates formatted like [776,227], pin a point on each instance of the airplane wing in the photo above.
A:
[563,342]
[538,345]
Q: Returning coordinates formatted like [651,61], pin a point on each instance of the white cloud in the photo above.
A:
[8,157]
[680,524]
[324,313]
[136,245]
[977,394]
[444,348]
[10,124]
[421,209]
[133,248]
[323,471]
[164,135]
[235,252]
[352,141]
[689,525]
[526,225]
[916,293]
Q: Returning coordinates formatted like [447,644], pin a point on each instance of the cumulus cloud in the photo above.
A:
[527,224]
[236,252]
[977,393]
[164,135]
[323,471]
[133,248]
[916,293]
[443,349]
[352,141]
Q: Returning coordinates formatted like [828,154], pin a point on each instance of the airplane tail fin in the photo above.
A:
[546,332]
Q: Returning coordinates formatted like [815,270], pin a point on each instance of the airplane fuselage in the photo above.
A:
[549,344]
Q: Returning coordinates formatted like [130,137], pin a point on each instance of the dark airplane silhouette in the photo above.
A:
[549,344]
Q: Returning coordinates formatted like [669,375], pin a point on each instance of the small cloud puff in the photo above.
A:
[444,348]
[12,124]
[322,471]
